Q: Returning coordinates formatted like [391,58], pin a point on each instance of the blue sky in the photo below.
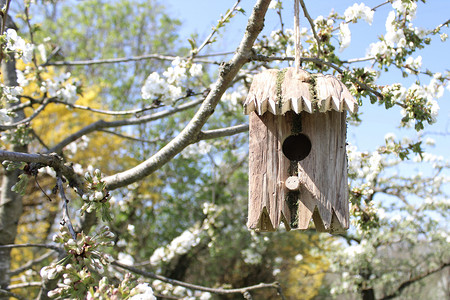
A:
[198,16]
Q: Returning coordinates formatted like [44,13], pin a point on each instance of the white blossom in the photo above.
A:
[42,52]
[196,70]
[408,8]
[125,259]
[154,86]
[22,49]
[357,11]
[251,257]
[48,272]
[177,72]
[273,4]
[413,63]
[298,257]
[21,79]
[142,292]
[345,36]
[4,118]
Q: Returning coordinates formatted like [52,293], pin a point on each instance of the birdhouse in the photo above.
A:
[297,157]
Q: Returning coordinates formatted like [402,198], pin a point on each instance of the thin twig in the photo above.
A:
[66,218]
[5,16]
[121,113]
[24,285]
[10,294]
[98,125]
[274,285]
[412,280]
[26,120]
[131,138]
[11,246]
[31,263]
[131,59]
[222,132]
[208,39]
[311,23]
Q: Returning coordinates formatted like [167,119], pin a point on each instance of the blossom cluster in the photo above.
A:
[97,197]
[359,11]
[127,289]
[62,87]
[167,289]
[179,246]
[83,257]
[16,44]
[169,87]
[190,238]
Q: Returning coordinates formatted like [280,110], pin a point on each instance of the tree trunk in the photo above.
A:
[368,294]
[10,202]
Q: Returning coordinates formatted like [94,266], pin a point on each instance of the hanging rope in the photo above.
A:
[298,49]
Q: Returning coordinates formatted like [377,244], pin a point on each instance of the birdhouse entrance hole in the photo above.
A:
[296,147]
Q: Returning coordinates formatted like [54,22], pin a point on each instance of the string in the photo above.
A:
[297,34]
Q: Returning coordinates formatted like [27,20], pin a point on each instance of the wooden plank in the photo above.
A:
[324,171]
[268,168]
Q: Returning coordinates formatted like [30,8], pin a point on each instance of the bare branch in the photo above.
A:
[66,218]
[222,132]
[132,138]
[130,59]
[48,246]
[26,120]
[24,285]
[10,294]
[31,263]
[274,285]
[119,123]
[412,280]
[223,20]
[311,23]
[190,132]
[119,113]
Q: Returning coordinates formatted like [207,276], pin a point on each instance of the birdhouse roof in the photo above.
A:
[279,91]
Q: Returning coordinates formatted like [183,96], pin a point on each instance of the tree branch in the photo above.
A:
[66,221]
[112,124]
[11,246]
[31,263]
[24,285]
[190,132]
[215,29]
[407,283]
[10,294]
[311,23]
[222,132]
[26,120]
[274,285]
[119,113]
[129,59]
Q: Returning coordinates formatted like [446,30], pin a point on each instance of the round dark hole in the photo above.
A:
[297,147]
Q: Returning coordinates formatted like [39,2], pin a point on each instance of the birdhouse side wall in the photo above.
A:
[268,168]
[324,171]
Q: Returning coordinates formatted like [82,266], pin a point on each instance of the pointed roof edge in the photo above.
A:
[266,94]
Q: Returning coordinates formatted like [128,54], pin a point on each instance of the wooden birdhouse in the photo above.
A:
[297,157]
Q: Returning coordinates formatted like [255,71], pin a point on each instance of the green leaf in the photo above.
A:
[20,186]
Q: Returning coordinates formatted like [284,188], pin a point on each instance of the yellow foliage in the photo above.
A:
[301,276]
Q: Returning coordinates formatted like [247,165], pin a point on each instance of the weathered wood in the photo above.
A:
[324,172]
[295,93]
[292,183]
[268,171]
[294,192]
[322,175]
